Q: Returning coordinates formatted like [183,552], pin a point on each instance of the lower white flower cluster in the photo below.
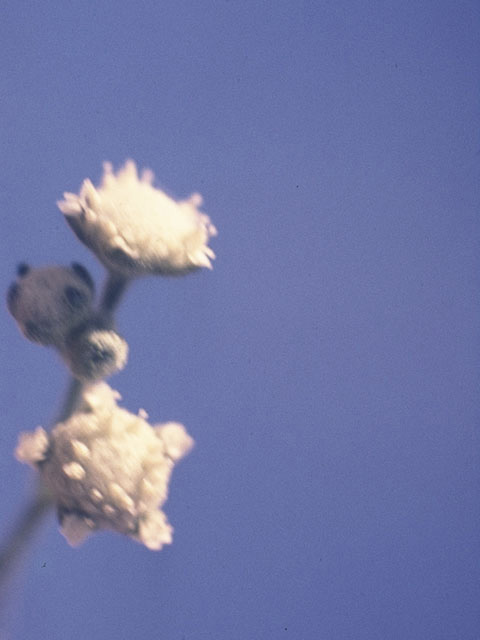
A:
[107,468]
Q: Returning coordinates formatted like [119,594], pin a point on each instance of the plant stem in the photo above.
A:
[32,514]
[114,288]
[18,539]
[72,398]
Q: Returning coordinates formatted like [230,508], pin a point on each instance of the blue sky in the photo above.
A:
[327,367]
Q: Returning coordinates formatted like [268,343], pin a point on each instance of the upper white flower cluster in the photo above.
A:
[108,468]
[135,228]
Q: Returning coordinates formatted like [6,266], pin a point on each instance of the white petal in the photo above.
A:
[201,260]
[90,194]
[71,206]
[155,531]
[75,529]
[175,438]
[32,446]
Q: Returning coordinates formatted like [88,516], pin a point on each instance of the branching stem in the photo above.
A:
[114,288]
[33,512]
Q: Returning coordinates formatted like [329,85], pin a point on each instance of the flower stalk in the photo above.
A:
[22,534]
[115,287]
[101,466]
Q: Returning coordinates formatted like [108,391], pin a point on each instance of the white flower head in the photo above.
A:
[135,228]
[108,469]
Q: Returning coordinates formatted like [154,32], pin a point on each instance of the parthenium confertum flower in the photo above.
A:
[135,228]
[107,468]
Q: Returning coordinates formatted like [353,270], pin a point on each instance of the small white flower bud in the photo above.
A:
[93,353]
[136,229]
[107,468]
[49,302]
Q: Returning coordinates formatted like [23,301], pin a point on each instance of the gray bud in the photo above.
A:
[48,303]
[94,353]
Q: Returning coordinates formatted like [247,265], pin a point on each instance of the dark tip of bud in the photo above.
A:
[61,513]
[75,297]
[22,269]
[102,355]
[83,273]
[37,332]
[12,295]
[122,259]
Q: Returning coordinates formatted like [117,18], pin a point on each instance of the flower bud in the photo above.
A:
[49,302]
[93,353]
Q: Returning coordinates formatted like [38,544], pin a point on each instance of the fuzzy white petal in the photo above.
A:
[155,531]
[75,529]
[32,446]
[175,438]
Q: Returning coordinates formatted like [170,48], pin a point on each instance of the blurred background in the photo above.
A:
[328,367]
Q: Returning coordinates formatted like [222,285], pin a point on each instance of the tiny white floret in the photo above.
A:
[74,470]
[32,446]
[75,529]
[155,531]
[175,438]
